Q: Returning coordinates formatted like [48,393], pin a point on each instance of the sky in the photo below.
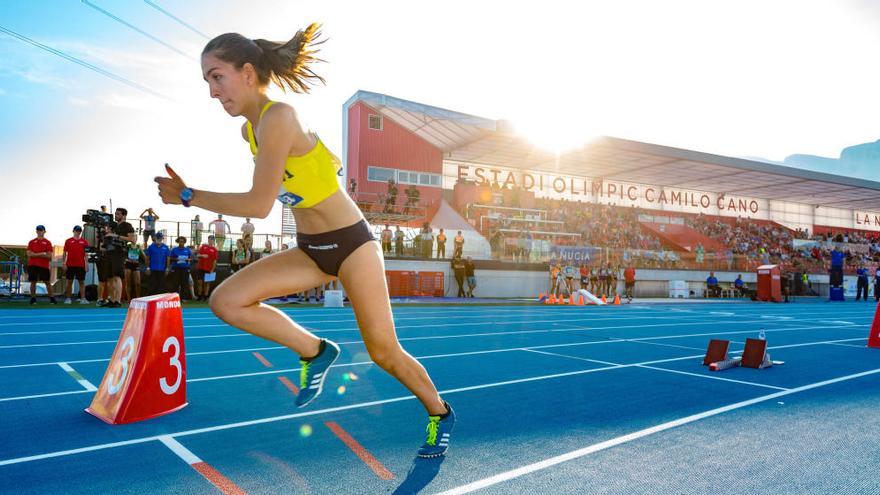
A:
[740,78]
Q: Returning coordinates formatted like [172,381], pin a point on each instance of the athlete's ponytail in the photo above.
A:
[284,63]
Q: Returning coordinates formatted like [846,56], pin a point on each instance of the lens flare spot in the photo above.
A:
[340,390]
[305,430]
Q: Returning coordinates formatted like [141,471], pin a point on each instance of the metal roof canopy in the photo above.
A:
[469,139]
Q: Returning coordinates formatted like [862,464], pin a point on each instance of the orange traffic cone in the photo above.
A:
[571,300]
[603,299]
[561,300]
[581,300]
[616,300]
[551,299]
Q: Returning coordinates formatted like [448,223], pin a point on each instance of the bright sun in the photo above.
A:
[555,131]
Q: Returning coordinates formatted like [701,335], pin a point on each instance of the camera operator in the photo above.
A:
[115,249]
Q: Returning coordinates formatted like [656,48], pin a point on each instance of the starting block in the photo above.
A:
[755,355]
[874,335]
[716,352]
[146,376]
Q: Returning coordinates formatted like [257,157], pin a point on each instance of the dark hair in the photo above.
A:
[284,63]
[123,211]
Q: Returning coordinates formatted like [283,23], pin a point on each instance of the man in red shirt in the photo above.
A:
[629,276]
[207,256]
[39,252]
[75,264]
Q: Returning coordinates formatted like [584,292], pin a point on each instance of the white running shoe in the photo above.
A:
[83,301]
[67,301]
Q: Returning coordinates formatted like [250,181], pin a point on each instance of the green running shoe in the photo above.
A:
[439,429]
[314,372]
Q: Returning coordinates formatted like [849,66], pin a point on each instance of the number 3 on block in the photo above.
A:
[175,362]
[114,385]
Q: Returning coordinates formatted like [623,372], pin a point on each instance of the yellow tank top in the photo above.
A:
[308,179]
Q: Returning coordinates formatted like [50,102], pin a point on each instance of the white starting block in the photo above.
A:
[332,298]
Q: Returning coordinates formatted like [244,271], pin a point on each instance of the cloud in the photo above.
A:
[77,102]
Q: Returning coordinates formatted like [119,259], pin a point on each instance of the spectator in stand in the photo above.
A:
[221,228]
[441,244]
[729,256]
[241,256]
[712,287]
[740,285]
[132,267]
[412,198]
[398,242]
[39,252]
[181,257]
[385,237]
[267,248]
[247,233]
[352,187]
[391,197]
[629,277]
[157,255]
[459,270]
[196,228]
[149,217]
[458,245]
[75,259]
[427,240]
[206,268]
[862,283]
[469,269]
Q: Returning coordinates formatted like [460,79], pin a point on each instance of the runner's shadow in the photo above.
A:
[421,473]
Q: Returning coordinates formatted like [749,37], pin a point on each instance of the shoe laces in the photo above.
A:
[431,429]
[304,374]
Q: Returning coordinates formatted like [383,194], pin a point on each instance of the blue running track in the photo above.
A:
[574,400]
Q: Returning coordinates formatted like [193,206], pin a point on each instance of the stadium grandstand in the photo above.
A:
[673,213]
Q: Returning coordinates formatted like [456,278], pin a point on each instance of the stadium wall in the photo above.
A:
[495,280]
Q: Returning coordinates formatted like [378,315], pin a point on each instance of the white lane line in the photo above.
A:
[638,365]
[456,354]
[273,419]
[851,345]
[710,377]
[245,334]
[181,451]
[520,332]
[576,454]
[79,378]
[606,363]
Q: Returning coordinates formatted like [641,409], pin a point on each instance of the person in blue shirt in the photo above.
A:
[862,284]
[836,271]
[712,287]
[157,263]
[739,285]
[181,257]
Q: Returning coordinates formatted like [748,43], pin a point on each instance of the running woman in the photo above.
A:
[333,238]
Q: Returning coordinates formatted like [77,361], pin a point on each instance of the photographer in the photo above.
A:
[115,248]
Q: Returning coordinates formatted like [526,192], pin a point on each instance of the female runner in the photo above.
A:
[333,238]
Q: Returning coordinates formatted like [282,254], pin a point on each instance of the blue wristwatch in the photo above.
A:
[186,195]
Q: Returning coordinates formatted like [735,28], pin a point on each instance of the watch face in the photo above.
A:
[186,194]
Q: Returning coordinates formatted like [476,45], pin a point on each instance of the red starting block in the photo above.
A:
[874,336]
[717,351]
[146,376]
